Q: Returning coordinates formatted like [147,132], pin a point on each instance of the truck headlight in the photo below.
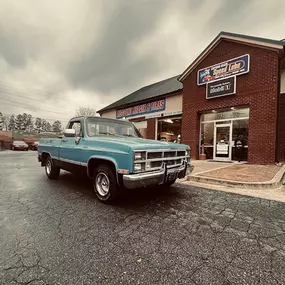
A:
[187,152]
[138,167]
[139,155]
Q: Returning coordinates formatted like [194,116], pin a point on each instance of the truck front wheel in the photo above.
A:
[52,171]
[105,184]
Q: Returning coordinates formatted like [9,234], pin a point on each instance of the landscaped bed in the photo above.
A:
[244,173]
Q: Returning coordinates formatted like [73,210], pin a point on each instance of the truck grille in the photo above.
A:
[170,157]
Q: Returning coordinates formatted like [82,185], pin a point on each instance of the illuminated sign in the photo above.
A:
[222,87]
[142,109]
[235,66]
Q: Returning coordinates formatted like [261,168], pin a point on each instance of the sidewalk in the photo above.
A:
[263,181]
[238,174]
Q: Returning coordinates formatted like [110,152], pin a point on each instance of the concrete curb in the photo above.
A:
[11,152]
[276,182]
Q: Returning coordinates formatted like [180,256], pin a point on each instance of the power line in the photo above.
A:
[29,106]
[37,91]
[25,97]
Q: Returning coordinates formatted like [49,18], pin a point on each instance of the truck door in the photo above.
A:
[71,148]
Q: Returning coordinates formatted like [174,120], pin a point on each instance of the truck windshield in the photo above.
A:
[110,127]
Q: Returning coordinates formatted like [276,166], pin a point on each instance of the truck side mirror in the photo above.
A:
[70,133]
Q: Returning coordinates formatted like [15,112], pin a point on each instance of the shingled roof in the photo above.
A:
[164,87]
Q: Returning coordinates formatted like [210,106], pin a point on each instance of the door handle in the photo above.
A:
[64,140]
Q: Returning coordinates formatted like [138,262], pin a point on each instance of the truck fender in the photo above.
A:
[44,156]
[102,159]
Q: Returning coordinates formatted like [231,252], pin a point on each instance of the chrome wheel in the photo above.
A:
[102,184]
[48,167]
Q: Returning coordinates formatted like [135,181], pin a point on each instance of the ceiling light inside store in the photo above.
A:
[168,121]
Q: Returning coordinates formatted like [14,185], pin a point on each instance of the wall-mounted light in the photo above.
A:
[168,121]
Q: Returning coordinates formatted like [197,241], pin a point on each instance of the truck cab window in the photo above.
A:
[77,127]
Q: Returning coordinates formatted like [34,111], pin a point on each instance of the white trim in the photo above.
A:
[214,43]
[234,92]
[156,128]
[229,158]
[73,161]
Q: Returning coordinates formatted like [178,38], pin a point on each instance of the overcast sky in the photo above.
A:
[58,55]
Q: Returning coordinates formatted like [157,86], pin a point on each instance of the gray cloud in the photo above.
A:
[110,62]
[58,55]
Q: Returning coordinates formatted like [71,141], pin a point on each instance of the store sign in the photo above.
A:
[235,66]
[222,148]
[142,109]
[152,116]
[172,113]
[222,87]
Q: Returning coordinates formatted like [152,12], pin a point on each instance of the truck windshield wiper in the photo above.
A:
[126,135]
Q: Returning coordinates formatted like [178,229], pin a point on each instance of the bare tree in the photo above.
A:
[85,111]
[6,121]
[1,121]
[56,126]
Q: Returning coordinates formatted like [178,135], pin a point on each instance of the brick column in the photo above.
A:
[151,129]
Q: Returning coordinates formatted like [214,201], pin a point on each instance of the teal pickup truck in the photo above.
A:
[114,155]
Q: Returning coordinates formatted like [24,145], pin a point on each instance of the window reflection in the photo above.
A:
[231,114]
[169,129]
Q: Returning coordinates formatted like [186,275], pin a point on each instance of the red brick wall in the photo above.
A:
[257,89]
[151,129]
[281,128]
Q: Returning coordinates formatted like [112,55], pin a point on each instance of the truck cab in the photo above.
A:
[114,155]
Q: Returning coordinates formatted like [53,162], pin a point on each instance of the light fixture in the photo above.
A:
[214,111]
[168,121]
[233,108]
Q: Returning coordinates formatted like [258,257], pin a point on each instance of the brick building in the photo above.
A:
[233,92]
[235,89]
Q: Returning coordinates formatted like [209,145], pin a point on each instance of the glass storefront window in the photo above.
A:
[207,139]
[223,145]
[240,132]
[169,129]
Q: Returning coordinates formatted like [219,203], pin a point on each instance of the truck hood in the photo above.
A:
[139,143]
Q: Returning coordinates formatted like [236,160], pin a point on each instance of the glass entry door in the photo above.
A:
[222,142]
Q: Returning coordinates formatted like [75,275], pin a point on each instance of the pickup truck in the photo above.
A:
[114,155]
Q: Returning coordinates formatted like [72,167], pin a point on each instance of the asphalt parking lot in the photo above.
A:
[57,232]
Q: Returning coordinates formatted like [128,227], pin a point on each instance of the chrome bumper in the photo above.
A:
[145,179]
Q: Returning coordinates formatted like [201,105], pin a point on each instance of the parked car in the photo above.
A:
[114,155]
[34,145]
[19,145]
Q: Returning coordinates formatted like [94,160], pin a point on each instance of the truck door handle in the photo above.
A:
[64,140]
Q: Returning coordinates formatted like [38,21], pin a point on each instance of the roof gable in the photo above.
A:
[160,88]
[262,42]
